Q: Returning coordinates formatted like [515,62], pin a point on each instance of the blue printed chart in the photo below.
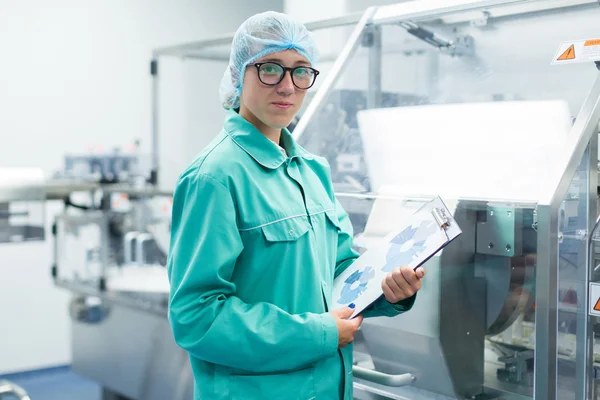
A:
[422,236]
[356,284]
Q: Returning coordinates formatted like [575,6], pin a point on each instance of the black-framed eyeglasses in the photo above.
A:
[271,74]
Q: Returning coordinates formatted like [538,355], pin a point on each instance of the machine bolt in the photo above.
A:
[509,213]
[491,245]
[508,247]
[491,212]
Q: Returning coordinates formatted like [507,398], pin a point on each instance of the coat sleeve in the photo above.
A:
[346,256]
[206,317]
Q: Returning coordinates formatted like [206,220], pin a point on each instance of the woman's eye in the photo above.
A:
[301,72]
[271,70]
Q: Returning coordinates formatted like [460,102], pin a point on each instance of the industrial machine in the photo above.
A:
[22,199]
[504,311]
[467,100]
[111,236]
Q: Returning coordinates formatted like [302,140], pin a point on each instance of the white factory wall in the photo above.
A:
[75,76]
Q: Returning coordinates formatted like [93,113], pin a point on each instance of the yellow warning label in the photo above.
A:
[594,299]
[577,51]
[569,54]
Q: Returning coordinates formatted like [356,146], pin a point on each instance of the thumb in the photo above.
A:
[346,312]
[358,320]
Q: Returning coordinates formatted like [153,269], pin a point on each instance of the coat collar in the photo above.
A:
[261,149]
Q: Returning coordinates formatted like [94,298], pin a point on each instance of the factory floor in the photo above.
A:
[55,384]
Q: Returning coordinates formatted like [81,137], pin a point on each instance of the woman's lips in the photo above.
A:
[282,105]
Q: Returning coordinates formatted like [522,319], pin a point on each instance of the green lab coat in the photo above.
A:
[257,240]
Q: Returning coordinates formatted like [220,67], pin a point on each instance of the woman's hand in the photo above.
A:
[347,328]
[402,283]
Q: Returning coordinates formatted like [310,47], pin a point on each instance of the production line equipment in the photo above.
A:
[421,100]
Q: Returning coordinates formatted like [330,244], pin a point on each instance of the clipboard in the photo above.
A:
[431,228]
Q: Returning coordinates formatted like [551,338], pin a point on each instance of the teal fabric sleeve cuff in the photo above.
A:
[330,335]
[404,305]
[383,308]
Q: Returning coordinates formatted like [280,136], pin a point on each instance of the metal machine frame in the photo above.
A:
[581,146]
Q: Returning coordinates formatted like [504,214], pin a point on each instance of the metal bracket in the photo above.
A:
[368,36]
[580,234]
[596,372]
[88,309]
[516,370]
[484,20]
[461,46]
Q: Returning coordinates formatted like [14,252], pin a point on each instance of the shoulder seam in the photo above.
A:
[200,175]
[196,170]
[212,178]
[211,150]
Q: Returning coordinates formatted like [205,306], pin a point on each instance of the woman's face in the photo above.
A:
[272,106]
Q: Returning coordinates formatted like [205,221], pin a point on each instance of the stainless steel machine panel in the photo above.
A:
[132,352]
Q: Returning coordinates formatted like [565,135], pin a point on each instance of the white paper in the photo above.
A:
[409,245]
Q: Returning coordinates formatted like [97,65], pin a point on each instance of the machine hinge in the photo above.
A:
[596,372]
[580,234]
[460,46]
[368,37]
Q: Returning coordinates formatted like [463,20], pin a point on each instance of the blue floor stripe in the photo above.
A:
[56,384]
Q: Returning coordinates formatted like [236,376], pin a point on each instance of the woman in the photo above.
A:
[258,237]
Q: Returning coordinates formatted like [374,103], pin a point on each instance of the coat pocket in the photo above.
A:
[295,385]
[332,218]
[286,230]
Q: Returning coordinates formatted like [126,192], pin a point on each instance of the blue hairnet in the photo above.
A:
[261,35]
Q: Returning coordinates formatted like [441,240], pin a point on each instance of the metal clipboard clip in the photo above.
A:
[439,214]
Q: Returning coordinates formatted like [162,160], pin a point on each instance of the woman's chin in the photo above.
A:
[279,121]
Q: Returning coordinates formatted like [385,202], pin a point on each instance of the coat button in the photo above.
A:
[291,232]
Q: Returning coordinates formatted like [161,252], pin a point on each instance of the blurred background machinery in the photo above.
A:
[418,100]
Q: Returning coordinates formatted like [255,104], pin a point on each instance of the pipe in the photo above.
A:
[9,388]
[139,253]
[381,378]
[128,241]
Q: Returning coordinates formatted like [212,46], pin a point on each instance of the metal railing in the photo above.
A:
[9,390]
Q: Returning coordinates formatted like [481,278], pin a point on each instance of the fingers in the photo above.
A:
[343,313]
[358,321]
[347,312]
[405,274]
[393,293]
[420,272]
[411,284]
[403,282]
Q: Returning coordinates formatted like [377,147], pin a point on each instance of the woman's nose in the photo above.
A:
[286,85]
